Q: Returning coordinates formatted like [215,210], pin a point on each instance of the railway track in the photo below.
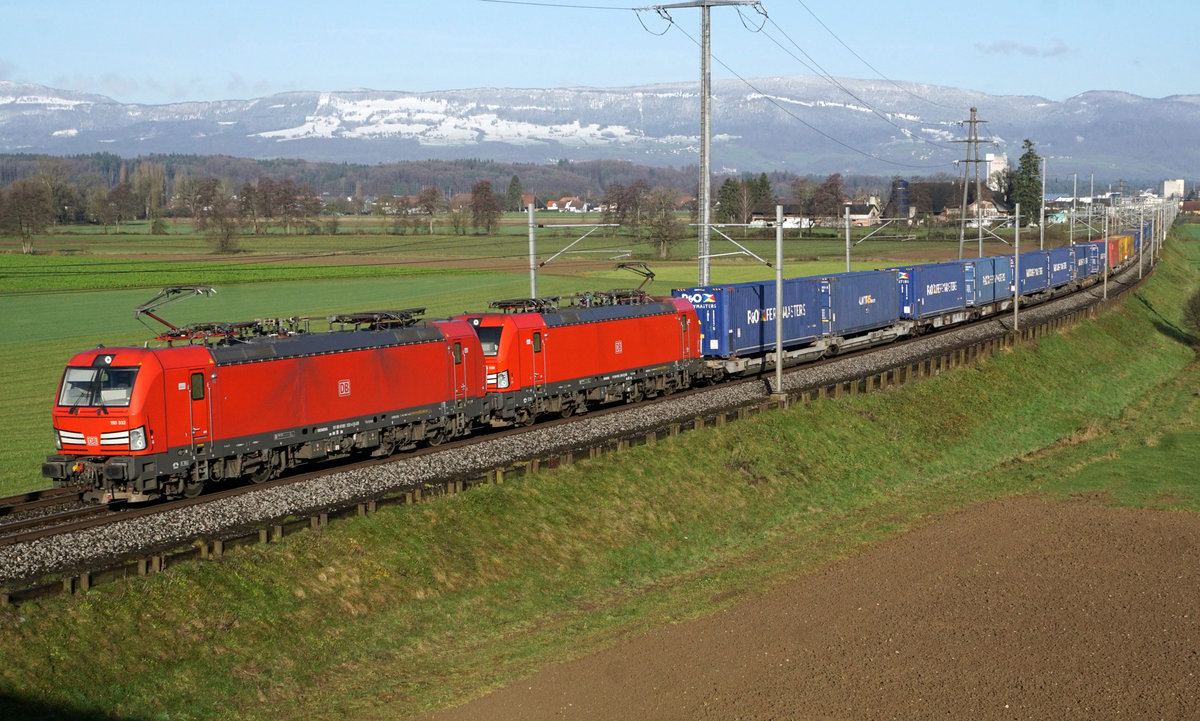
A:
[23,503]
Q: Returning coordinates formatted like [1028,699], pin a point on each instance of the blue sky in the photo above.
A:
[144,52]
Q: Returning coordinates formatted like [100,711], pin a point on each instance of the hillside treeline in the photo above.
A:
[553,180]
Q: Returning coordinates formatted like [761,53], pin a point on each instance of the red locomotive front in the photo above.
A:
[111,424]
[547,358]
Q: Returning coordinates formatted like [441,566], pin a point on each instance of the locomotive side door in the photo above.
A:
[201,419]
[459,377]
[685,336]
[537,358]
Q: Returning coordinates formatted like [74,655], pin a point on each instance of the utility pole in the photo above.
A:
[778,392]
[1016,266]
[1042,211]
[1091,203]
[847,238]
[532,254]
[972,142]
[702,248]
[1074,199]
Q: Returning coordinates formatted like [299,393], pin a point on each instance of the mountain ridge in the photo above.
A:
[800,123]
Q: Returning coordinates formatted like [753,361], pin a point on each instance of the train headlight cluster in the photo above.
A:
[137,439]
[502,380]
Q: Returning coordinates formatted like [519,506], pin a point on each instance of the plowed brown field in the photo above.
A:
[1016,609]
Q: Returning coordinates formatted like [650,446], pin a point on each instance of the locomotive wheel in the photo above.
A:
[385,449]
[436,437]
[191,489]
[262,474]
[567,410]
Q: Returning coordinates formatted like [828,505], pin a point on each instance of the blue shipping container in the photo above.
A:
[861,301]
[1079,261]
[971,272]
[999,281]
[1095,256]
[1033,270]
[739,319]
[1062,264]
[932,289]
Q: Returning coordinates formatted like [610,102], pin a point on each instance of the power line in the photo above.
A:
[869,65]
[556,5]
[824,74]
[802,121]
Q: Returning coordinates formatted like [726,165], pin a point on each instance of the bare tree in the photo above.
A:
[218,214]
[829,197]
[661,220]
[25,210]
[429,200]
[122,205]
[150,188]
[485,209]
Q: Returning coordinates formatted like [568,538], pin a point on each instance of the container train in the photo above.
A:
[252,400]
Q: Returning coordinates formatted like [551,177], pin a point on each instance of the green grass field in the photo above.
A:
[417,607]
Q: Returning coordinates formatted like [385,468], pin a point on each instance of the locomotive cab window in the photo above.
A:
[489,338]
[458,354]
[537,342]
[197,386]
[96,387]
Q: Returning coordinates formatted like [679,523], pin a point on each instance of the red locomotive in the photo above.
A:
[136,424]
[226,401]
[542,358]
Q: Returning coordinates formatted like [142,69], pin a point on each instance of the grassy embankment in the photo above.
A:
[418,607]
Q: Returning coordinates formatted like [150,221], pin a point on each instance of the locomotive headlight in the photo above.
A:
[502,380]
[137,439]
[57,440]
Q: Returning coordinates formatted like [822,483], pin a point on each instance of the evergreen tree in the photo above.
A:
[1027,182]
[727,201]
[512,200]
[761,194]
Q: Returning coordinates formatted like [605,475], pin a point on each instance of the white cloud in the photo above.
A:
[1056,48]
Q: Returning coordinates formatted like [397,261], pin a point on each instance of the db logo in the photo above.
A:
[619,347]
[93,441]
[344,388]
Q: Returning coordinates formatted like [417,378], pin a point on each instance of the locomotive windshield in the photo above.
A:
[489,338]
[96,387]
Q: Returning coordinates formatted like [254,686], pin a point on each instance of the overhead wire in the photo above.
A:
[869,65]
[802,121]
[557,5]
[826,75]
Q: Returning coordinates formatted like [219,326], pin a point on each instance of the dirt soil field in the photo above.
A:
[1016,609]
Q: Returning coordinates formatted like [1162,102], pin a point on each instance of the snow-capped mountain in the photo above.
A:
[800,123]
